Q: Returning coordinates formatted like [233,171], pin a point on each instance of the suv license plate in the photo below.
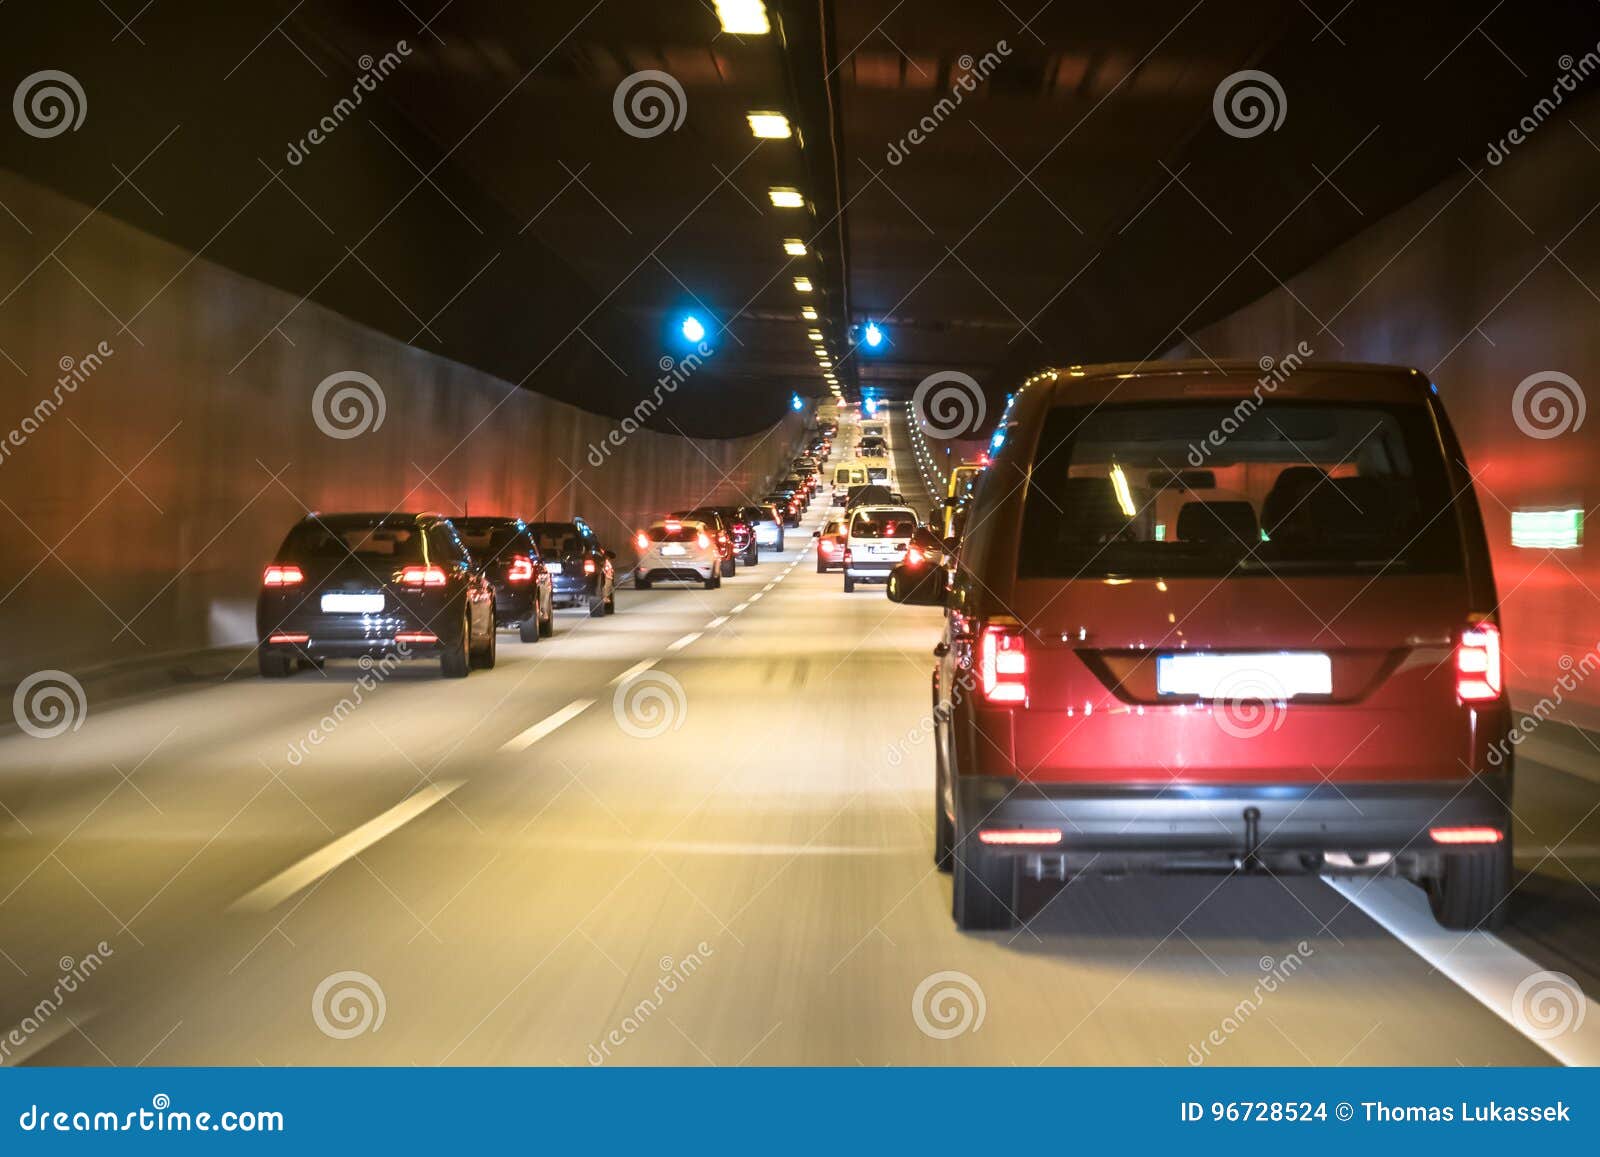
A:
[334,603]
[1273,675]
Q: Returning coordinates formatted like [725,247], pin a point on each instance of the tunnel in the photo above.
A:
[811,533]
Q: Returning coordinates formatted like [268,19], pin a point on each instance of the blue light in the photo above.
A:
[870,405]
[796,402]
[873,334]
[692,329]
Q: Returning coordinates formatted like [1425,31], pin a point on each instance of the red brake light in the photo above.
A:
[642,541]
[1002,665]
[416,637]
[1478,664]
[1466,835]
[1023,837]
[672,525]
[828,546]
[521,569]
[913,556]
[423,576]
[282,575]
[588,566]
[702,541]
[282,637]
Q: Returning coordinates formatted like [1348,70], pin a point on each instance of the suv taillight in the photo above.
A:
[521,569]
[702,541]
[1002,665]
[588,566]
[282,575]
[1478,664]
[423,576]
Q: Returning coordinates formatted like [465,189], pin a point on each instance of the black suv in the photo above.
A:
[351,586]
[523,595]
[580,568]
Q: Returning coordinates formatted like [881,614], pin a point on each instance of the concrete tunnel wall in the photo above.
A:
[1460,284]
[140,504]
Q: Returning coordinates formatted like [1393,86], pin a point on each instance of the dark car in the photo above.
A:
[871,494]
[718,520]
[580,568]
[1288,660]
[352,586]
[788,503]
[524,596]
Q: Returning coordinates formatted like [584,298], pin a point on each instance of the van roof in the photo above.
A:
[1144,381]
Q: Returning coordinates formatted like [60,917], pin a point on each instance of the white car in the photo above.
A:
[875,543]
[675,550]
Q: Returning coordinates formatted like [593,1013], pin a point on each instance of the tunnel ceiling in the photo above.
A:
[1079,202]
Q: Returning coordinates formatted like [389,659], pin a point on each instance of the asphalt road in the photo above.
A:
[722,858]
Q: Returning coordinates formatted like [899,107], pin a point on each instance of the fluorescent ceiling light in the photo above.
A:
[743,17]
[809,313]
[794,247]
[769,126]
[803,284]
[785,197]
[814,335]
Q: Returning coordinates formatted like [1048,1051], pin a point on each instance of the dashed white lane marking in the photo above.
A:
[325,860]
[637,669]
[680,644]
[769,586]
[1518,990]
[738,608]
[754,597]
[716,622]
[526,739]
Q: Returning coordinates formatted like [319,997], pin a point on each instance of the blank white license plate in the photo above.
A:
[347,604]
[672,548]
[553,567]
[1276,675]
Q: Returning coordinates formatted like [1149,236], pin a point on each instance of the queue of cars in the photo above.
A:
[1192,628]
[374,585]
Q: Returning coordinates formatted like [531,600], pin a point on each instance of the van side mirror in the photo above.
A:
[952,544]
[921,586]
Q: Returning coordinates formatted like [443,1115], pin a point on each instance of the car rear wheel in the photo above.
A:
[547,625]
[641,584]
[822,567]
[752,555]
[531,631]
[275,666]
[483,657]
[849,584]
[729,568]
[1471,890]
[454,661]
[985,888]
[597,608]
[609,607]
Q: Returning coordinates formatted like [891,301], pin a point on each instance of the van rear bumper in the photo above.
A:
[1210,820]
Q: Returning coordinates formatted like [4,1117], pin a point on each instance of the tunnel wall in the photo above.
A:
[147,472]
[1460,284]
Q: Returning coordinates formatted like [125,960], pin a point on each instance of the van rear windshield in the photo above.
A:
[1238,487]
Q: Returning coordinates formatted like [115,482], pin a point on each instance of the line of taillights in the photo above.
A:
[284,638]
[1003,663]
[1050,837]
[289,575]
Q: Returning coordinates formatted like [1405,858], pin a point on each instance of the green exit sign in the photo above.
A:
[1547,529]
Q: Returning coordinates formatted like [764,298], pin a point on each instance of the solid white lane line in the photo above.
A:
[637,669]
[526,739]
[680,644]
[346,847]
[1518,990]
[716,622]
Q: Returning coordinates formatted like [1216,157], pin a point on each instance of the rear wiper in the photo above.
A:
[1333,564]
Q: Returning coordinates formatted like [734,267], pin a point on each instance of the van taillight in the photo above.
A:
[702,541]
[642,541]
[1478,664]
[423,576]
[1002,665]
[588,566]
[282,575]
[521,569]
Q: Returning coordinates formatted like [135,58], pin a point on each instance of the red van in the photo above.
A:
[1208,620]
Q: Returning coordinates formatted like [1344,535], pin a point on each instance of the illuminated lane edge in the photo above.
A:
[320,863]
[1484,966]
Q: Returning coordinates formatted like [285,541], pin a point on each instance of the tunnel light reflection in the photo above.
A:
[1547,529]
[786,198]
[769,126]
[743,17]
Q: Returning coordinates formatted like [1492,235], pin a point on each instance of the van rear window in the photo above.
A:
[1220,488]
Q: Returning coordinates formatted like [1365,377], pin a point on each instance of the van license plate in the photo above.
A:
[334,603]
[1275,675]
